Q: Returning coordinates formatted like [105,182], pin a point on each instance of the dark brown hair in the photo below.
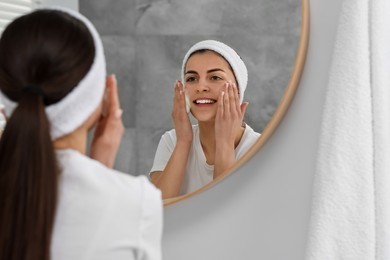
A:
[52,51]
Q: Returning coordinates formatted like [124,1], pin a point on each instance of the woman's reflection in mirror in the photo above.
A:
[214,79]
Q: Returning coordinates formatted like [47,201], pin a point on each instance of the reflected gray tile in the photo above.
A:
[120,57]
[146,142]
[256,17]
[178,17]
[111,17]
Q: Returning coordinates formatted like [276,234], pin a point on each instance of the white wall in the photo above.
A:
[262,210]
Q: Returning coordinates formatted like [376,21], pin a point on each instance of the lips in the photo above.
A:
[204,101]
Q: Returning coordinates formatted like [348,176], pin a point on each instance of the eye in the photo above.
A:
[190,79]
[215,77]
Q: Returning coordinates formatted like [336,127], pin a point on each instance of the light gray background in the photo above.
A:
[145,42]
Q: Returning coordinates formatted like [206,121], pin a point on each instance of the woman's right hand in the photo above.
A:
[180,116]
[109,129]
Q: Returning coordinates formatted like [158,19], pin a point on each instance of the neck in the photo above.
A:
[207,139]
[207,133]
[76,140]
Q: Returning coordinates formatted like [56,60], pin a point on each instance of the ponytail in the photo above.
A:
[28,183]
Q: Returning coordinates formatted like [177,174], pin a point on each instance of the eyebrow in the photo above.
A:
[209,71]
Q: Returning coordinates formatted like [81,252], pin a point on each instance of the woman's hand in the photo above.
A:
[230,116]
[109,129]
[180,116]
[228,128]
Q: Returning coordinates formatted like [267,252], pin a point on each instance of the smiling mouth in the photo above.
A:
[204,101]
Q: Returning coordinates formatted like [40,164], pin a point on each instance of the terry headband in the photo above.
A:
[74,109]
[235,61]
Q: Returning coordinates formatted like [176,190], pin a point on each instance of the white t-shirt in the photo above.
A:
[104,214]
[199,172]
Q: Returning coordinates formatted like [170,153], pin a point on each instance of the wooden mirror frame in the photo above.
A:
[279,112]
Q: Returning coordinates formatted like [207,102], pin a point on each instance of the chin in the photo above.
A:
[204,117]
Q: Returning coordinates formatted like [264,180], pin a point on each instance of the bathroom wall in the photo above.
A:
[145,42]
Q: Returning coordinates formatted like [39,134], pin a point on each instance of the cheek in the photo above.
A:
[190,90]
[221,86]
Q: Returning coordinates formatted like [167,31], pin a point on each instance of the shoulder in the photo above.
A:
[171,134]
[90,175]
[103,204]
[248,139]
[250,133]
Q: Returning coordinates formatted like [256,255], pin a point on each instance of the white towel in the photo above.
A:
[350,212]
[380,73]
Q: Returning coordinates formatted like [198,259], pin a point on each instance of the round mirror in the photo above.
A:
[145,43]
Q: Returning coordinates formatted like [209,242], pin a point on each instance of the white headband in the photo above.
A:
[74,109]
[235,61]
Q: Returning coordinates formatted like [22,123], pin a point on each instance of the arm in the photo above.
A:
[228,128]
[169,180]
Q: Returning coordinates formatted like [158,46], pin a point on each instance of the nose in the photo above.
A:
[202,86]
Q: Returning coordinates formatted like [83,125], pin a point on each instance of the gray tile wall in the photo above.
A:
[145,41]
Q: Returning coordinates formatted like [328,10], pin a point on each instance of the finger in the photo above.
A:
[232,104]
[181,93]
[114,103]
[232,100]
[118,113]
[106,100]
[226,104]
[180,85]
[177,105]
[187,102]
[220,105]
[177,91]
[182,100]
[186,105]
[236,96]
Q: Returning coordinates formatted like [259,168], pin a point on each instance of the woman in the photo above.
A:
[55,202]
[188,157]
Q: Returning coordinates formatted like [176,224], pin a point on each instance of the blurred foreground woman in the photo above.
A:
[55,202]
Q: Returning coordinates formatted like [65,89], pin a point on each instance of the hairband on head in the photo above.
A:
[73,110]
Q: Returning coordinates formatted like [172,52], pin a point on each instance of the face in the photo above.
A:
[206,75]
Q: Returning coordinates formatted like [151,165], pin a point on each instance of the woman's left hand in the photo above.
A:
[230,116]
[109,129]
